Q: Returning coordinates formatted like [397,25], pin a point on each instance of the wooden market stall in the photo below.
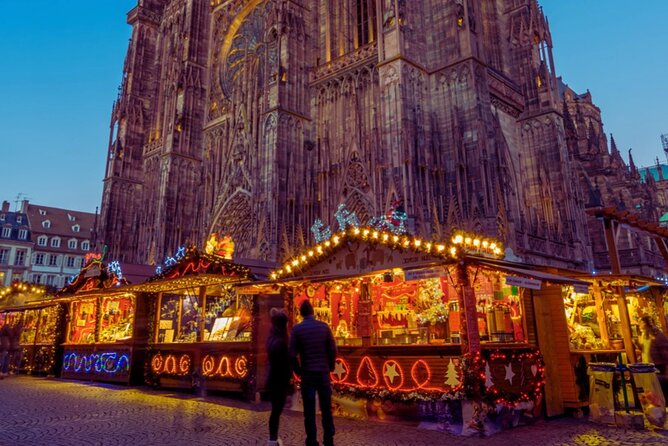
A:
[422,324]
[205,326]
[600,322]
[105,337]
[42,319]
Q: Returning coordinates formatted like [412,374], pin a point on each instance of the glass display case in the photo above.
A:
[30,320]
[83,318]
[224,316]
[116,318]
[386,307]
[498,308]
[47,328]
[227,315]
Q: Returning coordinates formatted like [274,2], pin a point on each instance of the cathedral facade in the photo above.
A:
[254,118]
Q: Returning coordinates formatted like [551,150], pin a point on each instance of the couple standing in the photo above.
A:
[310,352]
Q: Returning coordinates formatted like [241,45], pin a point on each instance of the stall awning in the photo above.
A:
[194,281]
[532,274]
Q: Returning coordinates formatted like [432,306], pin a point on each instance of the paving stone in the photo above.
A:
[37,411]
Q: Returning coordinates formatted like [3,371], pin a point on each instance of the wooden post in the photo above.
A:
[621,297]
[626,325]
[658,301]
[612,246]
[468,323]
[600,313]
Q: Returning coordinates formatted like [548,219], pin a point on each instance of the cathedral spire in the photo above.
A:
[632,165]
[613,146]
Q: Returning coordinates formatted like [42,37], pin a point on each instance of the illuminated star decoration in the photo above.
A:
[115,268]
[488,376]
[344,217]
[394,219]
[391,372]
[320,232]
[339,369]
[509,373]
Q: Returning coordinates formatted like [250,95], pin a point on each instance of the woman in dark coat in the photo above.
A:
[280,372]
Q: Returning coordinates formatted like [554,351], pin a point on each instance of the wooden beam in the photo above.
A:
[612,246]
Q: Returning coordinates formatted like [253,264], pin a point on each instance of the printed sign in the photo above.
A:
[418,274]
[581,289]
[524,282]
[166,324]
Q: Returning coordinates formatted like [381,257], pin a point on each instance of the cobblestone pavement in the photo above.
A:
[36,411]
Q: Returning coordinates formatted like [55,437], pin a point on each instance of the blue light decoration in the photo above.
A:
[344,217]
[110,363]
[171,260]
[320,231]
[115,268]
[394,220]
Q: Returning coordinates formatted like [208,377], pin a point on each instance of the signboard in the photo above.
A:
[581,289]
[524,282]
[418,274]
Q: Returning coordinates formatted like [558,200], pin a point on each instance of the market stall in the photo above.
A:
[205,327]
[41,318]
[104,337]
[603,321]
[425,330]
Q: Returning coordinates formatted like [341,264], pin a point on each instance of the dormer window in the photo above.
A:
[19,219]
[72,243]
[55,242]
[6,232]
[42,240]
[42,212]
[23,234]
[2,217]
[85,245]
[46,224]
[71,217]
[76,228]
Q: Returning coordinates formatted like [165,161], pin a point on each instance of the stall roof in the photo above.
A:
[137,273]
[194,269]
[522,270]
[620,279]
[363,250]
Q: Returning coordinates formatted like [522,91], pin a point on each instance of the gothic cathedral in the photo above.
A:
[253,118]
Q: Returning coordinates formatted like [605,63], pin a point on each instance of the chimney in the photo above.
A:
[24,206]
[5,206]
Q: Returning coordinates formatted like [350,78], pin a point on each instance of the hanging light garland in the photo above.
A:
[462,243]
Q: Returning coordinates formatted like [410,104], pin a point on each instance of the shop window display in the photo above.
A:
[116,319]
[227,317]
[597,326]
[82,323]
[386,308]
[47,328]
[30,319]
[498,307]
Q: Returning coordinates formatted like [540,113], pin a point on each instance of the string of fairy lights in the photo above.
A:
[460,244]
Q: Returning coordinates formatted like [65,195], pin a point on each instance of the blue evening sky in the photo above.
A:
[62,63]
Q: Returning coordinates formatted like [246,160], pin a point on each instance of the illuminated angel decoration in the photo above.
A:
[223,247]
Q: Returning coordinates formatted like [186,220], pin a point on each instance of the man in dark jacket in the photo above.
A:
[313,353]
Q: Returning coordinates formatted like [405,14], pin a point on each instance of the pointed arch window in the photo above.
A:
[365,14]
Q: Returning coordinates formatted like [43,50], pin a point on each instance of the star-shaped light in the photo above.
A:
[339,369]
[509,373]
[391,372]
